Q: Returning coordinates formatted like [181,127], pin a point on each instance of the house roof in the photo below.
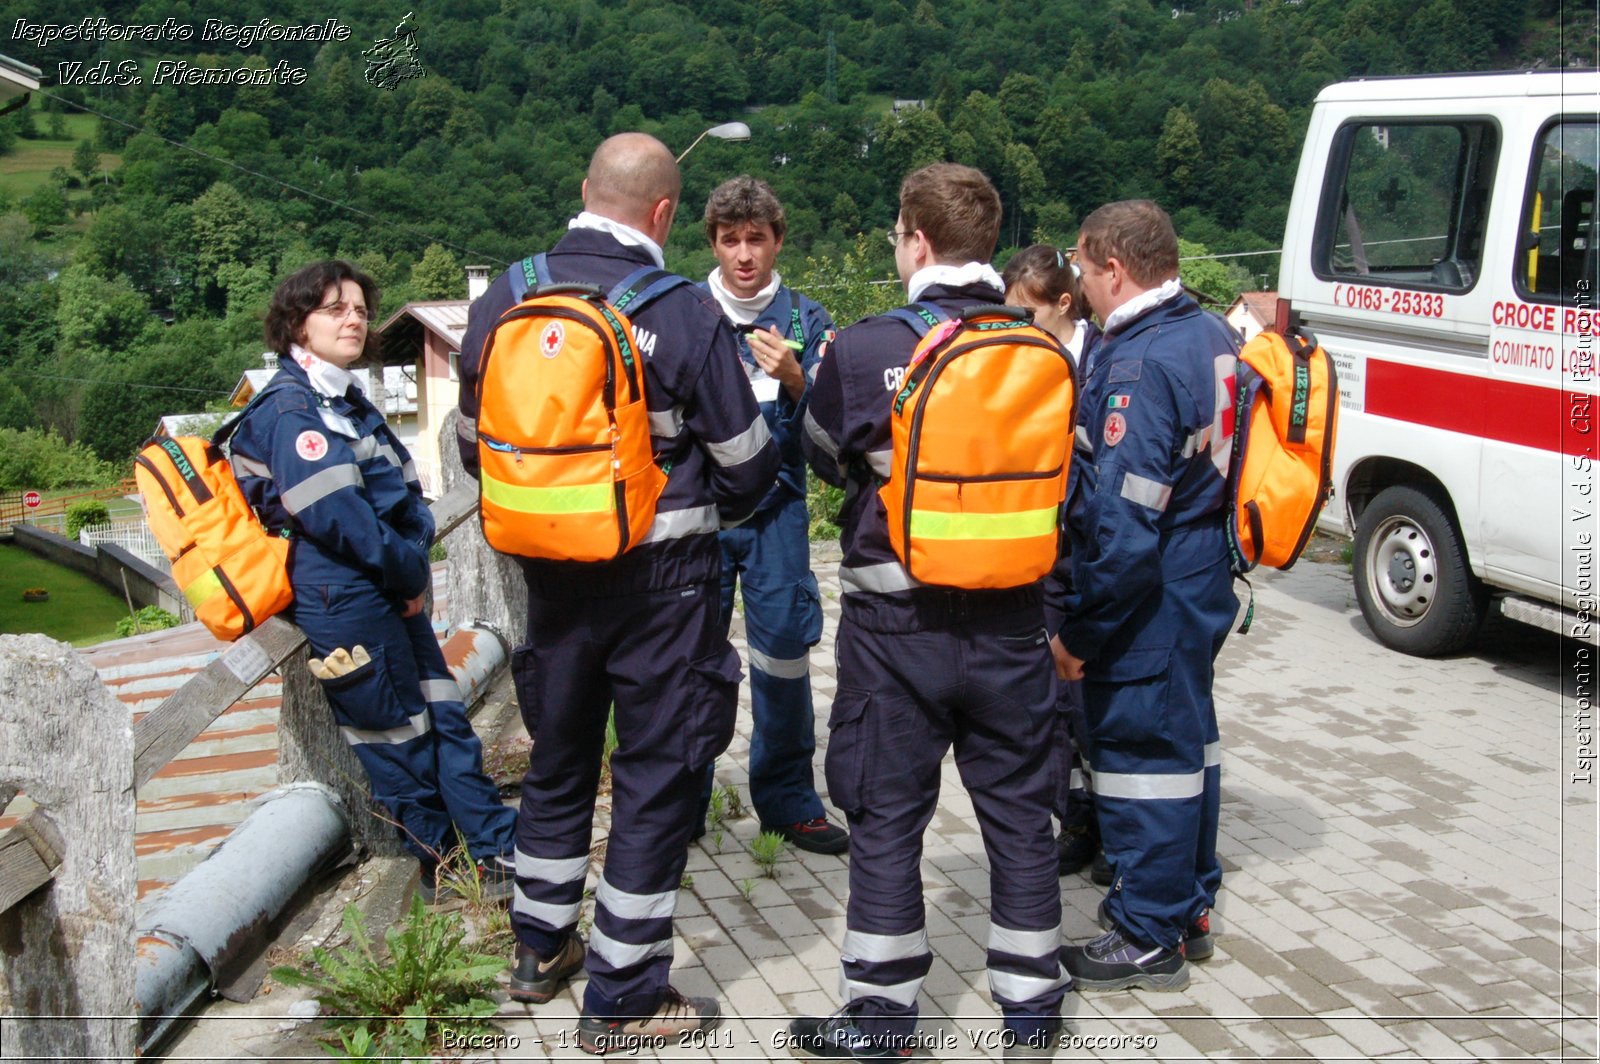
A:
[185,424]
[17,78]
[1262,306]
[405,331]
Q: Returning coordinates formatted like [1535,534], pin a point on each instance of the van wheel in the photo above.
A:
[1416,592]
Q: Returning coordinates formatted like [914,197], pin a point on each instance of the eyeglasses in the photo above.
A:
[340,311]
[895,236]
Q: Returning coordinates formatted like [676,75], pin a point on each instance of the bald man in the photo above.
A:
[639,636]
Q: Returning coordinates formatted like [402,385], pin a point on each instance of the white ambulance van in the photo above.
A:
[1441,244]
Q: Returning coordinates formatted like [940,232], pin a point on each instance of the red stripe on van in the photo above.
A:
[1529,415]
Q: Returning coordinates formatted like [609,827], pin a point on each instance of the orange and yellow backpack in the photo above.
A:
[983,430]
[566,466]
[234,573]
[1286,418]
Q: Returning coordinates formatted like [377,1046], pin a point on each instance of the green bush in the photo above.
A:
[149,619]
[81,515]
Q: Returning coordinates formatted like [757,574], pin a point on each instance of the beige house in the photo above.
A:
[1252,312]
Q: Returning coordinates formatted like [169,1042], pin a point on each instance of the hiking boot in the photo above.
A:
[1114,962]
[1075,848]
[535,980]
[496,882]
[676,1015]
[1100,873]
[1197,945]
[837,1037]
[814,836]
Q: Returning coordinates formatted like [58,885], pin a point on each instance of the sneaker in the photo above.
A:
[497,881]
[814,836]
[1100,873]
[839,1038]
[535,980]
[676,1015]
[1197,945]
[1076,847]
[1114,962]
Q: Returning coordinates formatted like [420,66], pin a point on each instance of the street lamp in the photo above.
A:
[726,131]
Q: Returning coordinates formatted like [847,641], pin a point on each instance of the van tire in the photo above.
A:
[1412,580]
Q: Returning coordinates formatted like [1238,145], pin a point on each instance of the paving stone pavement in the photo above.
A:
[1410,874]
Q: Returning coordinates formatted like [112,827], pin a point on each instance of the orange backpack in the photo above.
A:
[983,429]
[566,466]
[1286,416]
[233,572]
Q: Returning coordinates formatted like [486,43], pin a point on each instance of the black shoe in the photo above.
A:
[1100,873]
[535,980]
[676,1016]
[495,881]
[837,1037]
[813,836]
[1197,945]
[1075,848]
[1114,962]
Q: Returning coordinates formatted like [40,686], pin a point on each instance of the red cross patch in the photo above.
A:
[551,339]
[311,445]
[1116,428]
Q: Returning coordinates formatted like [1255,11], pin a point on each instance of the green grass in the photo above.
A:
[27,165]
[80,611]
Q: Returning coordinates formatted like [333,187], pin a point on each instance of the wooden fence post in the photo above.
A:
[66,948]
[486,587]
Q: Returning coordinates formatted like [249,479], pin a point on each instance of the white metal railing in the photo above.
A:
[132,536]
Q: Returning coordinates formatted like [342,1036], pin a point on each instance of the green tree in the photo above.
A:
[85,159]
[438,274]
[1178,154]
[46,208]
[106,320]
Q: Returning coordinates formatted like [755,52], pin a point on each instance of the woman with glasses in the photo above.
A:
[321,467]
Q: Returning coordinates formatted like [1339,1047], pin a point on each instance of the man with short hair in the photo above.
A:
[923,668]
[1152,596]
[638,636]
[781,334]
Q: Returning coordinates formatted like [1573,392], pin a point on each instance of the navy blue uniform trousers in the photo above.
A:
[915,680]
[403,716]
[661,662]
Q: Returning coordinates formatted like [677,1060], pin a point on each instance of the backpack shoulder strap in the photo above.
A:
[642,287]
[922,317]
[226,430]
[529,274]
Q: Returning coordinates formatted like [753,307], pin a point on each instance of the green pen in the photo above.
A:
[795,345]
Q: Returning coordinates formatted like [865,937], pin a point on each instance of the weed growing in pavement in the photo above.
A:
[397,1005]
[766,848]
[747,887]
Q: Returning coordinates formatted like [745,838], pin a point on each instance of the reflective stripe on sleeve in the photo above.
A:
[320,485]
[666,423]
[675,524]
[819,435]
[445,690]
[742,447]
[1213,754]
[881,462]
[245,466]
[1146,492]
[882,578]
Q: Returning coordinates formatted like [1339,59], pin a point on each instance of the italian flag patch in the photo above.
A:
[1117,402]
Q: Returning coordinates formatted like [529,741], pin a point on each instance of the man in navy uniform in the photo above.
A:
[924,668]
[781,334]
[1152,596]
[641,633]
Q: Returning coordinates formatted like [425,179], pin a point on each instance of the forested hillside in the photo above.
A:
[135,261]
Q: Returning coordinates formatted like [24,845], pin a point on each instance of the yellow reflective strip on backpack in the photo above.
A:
[201,590]
[572,499]
[934,524]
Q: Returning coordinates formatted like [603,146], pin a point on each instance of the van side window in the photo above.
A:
[1407,203]
[1557,247]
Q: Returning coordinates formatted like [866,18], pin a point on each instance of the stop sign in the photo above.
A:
[31,499]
